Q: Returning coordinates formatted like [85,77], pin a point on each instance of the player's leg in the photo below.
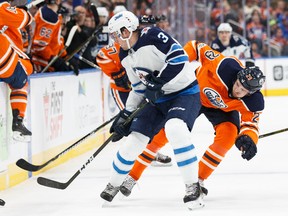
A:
[142,130]
[180,123]
[18,99]
[223,141]
[142,162]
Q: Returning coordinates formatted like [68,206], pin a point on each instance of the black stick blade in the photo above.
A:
[51,183]
[23,164]
[2,202]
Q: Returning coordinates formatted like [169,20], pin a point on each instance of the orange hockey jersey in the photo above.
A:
[46,41]
[11,21]
[216,77]
[109,61]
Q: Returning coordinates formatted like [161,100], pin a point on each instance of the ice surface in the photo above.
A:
[257,188]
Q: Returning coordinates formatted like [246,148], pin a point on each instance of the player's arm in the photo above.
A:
[14,17]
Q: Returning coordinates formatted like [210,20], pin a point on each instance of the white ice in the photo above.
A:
[257,188]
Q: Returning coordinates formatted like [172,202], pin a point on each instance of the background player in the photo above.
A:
[231,45]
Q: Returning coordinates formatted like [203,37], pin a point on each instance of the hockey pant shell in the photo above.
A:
[126,156]
[119,97]
[224,139]
[178,135]
[147,156]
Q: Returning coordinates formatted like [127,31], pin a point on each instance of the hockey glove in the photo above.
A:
[60,65]
[74,65]
[245,144]
[121,79]
[119,127]
[153,88]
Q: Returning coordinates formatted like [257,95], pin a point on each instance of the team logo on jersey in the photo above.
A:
[215,98]
[141,73]
[12,9]
[145,30]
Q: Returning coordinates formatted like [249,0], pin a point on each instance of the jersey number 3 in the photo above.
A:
[163,37]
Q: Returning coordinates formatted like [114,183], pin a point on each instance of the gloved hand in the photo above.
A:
[245,144]
[121,79]
[74,65]
[60,65]
[119,127]
[153,88]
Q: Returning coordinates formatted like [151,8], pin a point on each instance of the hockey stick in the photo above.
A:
[67,44]
[272,133]
[96,31]
[86,61]
[34,3]
[59,185]
[33,168]
[2,202]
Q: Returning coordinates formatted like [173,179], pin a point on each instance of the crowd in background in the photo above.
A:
[265,27]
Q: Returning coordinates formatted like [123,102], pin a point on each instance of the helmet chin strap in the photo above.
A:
[127,40]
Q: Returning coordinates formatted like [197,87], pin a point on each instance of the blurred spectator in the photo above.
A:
[274,50]
[249,7]
[81,36]
[255,50]
[163,23]
[256,31]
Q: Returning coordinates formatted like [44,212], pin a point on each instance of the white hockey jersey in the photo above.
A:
[237,47]
[156,52]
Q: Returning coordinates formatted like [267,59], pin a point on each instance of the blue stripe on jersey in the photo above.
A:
[140,91]
[174,47]
[178,60]
[186,162]
[136,84]
[193,90]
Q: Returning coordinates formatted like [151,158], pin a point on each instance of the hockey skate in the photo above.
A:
[193,199]
[203,190]
[161,160]
[109,192]
[127,185]
[20,132]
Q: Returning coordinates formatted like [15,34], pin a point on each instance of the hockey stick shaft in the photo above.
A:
[87,61]
[33,168]
[272,133]
[67,44]
[59,185]
[98,29]
[34,3]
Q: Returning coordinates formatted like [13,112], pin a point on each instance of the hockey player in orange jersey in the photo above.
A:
[227,89]
[15,65]
[47,41]
[108,60]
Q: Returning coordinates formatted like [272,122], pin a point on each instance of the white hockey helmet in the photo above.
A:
[224,27]
[102,11]
[123,19]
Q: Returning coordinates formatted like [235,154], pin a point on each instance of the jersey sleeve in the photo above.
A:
[14,17]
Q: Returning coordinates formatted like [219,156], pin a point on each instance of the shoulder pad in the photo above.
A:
[254,102]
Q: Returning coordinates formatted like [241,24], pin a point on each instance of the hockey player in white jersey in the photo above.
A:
[159,71]
[231,45]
